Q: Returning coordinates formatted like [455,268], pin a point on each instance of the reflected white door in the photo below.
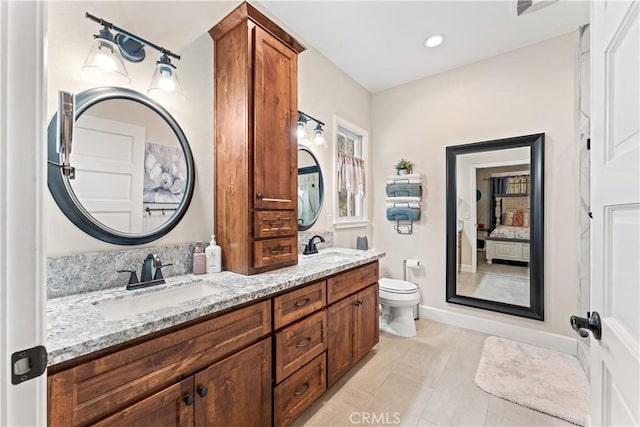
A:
[109,159]
[615,163]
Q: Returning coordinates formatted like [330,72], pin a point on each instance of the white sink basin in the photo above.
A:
[331,257]
[129,307]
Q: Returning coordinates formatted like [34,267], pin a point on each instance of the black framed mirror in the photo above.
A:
[310,188]
[134,171]
[495,225]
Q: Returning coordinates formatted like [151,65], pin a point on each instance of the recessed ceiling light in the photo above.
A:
[434,41]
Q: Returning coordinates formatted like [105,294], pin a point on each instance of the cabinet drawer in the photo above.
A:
[296,304]
[299,343]
[351,281]
[275,251]
[89,391]
[299,391]
[274,223]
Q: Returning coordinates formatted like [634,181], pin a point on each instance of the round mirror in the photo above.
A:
[310,188]
[134,172]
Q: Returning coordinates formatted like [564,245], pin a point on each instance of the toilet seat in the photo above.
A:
[398,292]
[396,286]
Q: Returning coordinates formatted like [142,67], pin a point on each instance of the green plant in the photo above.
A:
[404,164]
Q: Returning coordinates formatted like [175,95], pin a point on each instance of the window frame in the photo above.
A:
[355,221]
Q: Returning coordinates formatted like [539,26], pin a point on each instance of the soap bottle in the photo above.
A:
[213,253]
[199,259]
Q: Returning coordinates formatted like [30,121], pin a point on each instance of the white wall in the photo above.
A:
[325,90]
[526,91]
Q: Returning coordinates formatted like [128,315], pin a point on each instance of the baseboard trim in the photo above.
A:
[518,333]
[466,268]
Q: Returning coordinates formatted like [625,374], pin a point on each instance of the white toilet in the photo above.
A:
[398,299]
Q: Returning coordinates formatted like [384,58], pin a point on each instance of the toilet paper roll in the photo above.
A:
[413,263]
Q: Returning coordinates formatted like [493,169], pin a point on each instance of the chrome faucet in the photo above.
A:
[147,277]
[310,248]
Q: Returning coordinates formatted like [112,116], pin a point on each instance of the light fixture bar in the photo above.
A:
[110,26]
[308,117]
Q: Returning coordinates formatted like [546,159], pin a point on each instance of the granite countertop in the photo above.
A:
[84,323]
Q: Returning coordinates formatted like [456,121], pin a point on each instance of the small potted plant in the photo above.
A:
[404,167]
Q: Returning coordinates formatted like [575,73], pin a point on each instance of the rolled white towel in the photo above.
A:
[405,199]
[402,205]
[404,181]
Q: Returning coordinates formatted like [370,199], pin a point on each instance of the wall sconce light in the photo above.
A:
[105,60]
[318,131]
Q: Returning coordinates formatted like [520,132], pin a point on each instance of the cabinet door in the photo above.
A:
[340,349]
[237,390]
[367,328]
[275,117]
[170,407]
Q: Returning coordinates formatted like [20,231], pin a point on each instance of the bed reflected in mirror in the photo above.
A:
[494,225]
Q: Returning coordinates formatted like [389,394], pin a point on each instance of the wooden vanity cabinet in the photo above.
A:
[125,385]
[237,390]
[170,407]
[256,156]
[300,344]
[259,365]
[352,320]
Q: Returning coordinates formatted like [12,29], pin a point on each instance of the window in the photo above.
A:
[350,160]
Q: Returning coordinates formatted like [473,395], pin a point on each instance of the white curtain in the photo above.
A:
[351,175]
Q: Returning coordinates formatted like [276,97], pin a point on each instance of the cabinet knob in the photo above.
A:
[189,400]
[202,391]
[260,196]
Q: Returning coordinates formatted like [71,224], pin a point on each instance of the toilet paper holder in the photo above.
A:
[412,263]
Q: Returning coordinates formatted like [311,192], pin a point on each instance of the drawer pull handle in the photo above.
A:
[277,250]
[302,302]
[260,196]
[302,390]
[202,391]
[189,400]
[304,343]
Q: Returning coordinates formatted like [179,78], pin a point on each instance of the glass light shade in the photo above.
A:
[318,138]
[104,63]
[302,130]
[165,79]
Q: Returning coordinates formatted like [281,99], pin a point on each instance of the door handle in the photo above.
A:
[590,323]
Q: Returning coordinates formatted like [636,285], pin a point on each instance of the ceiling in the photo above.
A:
[380,44]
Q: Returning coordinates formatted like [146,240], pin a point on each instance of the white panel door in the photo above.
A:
[23,290]
[109,159]
[615,198]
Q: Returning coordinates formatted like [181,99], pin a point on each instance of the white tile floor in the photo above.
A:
[427,380]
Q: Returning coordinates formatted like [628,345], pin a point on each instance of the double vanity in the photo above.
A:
[240,350]
[254,345]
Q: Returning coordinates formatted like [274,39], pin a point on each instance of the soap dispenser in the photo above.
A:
[199,259]
[214,254]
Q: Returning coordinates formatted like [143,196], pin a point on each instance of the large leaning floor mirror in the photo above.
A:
[495,225]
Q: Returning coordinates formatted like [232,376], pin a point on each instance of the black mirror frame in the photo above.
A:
[304,227]
[61,189]
[536,278]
